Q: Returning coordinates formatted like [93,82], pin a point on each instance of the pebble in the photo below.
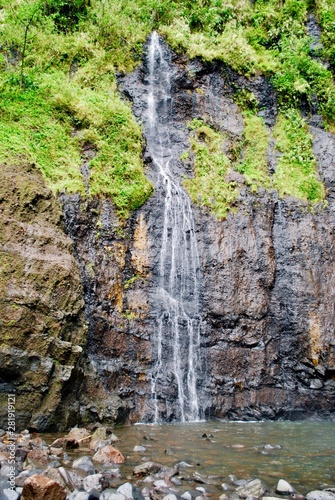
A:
[190,495]
[161,484]
[158,478]
[139,448]
[183,464]
[147,468]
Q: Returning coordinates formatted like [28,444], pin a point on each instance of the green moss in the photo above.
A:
[296,170]
[209,187]
[254,165]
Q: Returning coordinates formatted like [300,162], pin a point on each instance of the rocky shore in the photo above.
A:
[86,464]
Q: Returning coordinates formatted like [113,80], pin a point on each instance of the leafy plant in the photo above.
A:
[66,14]
[296,173]
[209,187]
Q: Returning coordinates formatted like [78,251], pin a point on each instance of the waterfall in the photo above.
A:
[176,341]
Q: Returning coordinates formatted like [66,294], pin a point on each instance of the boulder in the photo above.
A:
[147,468]
[320,495]
[108,454]
[39,487]
[4,456]
[79,434]
[85,464]
[255,488]
[284,487]
[71,443]
[98,436]
[92,484]
[130,491]
[39,455]
[57,452]
[37,442]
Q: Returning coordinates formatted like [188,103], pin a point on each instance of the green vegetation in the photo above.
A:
[209,187]
[296,171]
[266,37]
[254,165]
[295,175]
[62,98]
[58,92]
[325,10]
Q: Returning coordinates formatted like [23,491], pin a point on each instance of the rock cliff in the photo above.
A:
[43,330]
[267,283]
[268,274]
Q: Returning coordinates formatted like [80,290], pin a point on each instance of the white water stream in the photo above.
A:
[177,339]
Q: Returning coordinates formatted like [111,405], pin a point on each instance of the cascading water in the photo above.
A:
[177,337]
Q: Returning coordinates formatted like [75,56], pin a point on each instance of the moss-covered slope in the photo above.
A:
[58,89]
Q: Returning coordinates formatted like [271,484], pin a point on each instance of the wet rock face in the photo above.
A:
[269,299]
[115,267]
[43,330]
[267,285]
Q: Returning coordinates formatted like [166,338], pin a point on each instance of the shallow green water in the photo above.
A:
[306,458]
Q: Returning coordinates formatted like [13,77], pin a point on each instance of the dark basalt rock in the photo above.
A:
[268,279]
